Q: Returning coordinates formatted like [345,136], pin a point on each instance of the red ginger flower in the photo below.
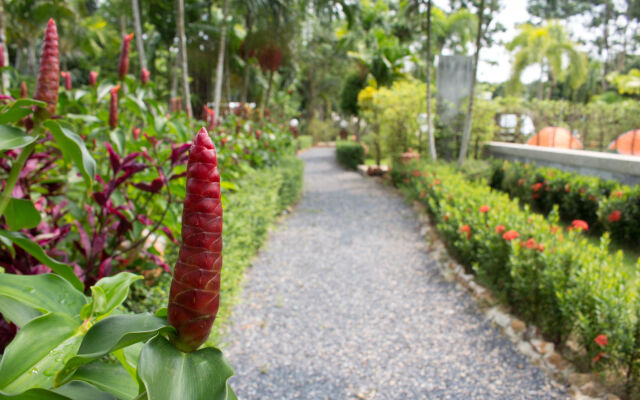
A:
[601,340]
[195,288]
[93,77]
[615,216]
[23,90]
[510,235]
[484,209]
[144,76]
[113,108]
[500,229]
[48,79]
[579,224]
[67,79]
[258,134]
[123,64]
[2,61]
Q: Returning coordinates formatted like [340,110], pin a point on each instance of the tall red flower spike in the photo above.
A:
[123,64]
[67,79]
[23,90]
[48,79]
[93,78]
[195,288]
[144,76]
[113,108]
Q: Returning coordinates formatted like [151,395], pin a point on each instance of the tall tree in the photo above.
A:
[432,139]
[5,52]
[182,39]
[137,28]
[220,67]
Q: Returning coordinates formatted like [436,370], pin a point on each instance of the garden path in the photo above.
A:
[345,302]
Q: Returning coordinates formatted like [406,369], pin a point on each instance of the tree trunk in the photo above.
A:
[31,56]
[539,94]
[137,28]
[220,69]
[266,98]
[245,72]
[466,134]
[605,43]
[432,139]
[4,81]
[186,96]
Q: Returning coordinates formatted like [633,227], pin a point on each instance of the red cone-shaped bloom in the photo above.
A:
[93,77]
[195,288]
[123,65]
[144,76]
[113,108]
[48,79]
[23,90]
[67,79]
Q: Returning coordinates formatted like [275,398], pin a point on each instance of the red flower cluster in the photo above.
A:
[484,209]
[113,108]
[615,216]
[601,340]
[416,173]
[510,235]
[466,229]
[579,224]
[423,194]
[531,244]
[536,187]
[500,229]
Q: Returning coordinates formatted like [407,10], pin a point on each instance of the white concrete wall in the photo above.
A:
[625,169]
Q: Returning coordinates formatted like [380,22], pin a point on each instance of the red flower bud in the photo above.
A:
[48,79]
[67,80]
[144,76]
[24,93]
[223,141]
[258,134]
[93,77]
[601,340]
[195,289]
[484,209]
[615,216]
[113,108]
[136,133]
[123,65]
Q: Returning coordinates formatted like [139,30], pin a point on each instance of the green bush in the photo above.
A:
[605,205]
[555,279]
[350,154]
[292,171]
[304,142]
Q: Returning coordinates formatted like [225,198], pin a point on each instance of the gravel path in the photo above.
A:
[345,303]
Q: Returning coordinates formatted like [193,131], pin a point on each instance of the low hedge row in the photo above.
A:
[551,277]
[248,213]
[605,205]
[349,154]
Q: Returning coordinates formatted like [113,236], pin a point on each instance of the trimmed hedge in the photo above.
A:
[605,205]
[349,154]
[553,278]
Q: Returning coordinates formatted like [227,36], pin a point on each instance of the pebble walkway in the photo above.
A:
[345,302]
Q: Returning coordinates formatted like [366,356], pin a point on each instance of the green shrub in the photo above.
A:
[588,198]
[304,142]
[292,171]
[350,154]
[555,279]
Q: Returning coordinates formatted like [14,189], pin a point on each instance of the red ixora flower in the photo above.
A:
[484,208]
[467,229]
[601,340]
[599,356]
[423,193]
[500,229]
[416,173]
[510,235]
[615,216]
[536,187]
[579,224]
[531,244]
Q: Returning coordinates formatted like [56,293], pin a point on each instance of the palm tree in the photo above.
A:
[547,47]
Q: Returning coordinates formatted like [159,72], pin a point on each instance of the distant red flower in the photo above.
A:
[601,340]
[416,173]
[615,216]
[500,229]
[535,196]
[566,188]
[136,133]
[599,356]
[618,194]
[540,247]
[93,77]
[531,244]
[554,229]
[144,76]
[446,217]
[579,224]
[406,180]
[520,181]
[510,235]
[423,193]
[436,182]
[536,186]
[484,209]
[466,229]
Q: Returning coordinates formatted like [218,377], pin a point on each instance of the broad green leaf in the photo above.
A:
[16,312]
[168,373]
[14,114]
[21,214]
[29,102]
[84,117]
[13,138]
[118,139]
[111,378]
[75,390]
[39,350]
[116,290]
[36,251]
[74,149]
[113,333]
[129,357]
[44,293]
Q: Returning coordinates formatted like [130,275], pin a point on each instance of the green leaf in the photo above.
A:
[116,290]
[168,373]
[75,390]
[39,350]
[84,117]
[14,114]
[44,293]
[16,312]
[74,149]
[111,378]
[13,138]
[29,102]
[113,333]
[36,251]
[21,214]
